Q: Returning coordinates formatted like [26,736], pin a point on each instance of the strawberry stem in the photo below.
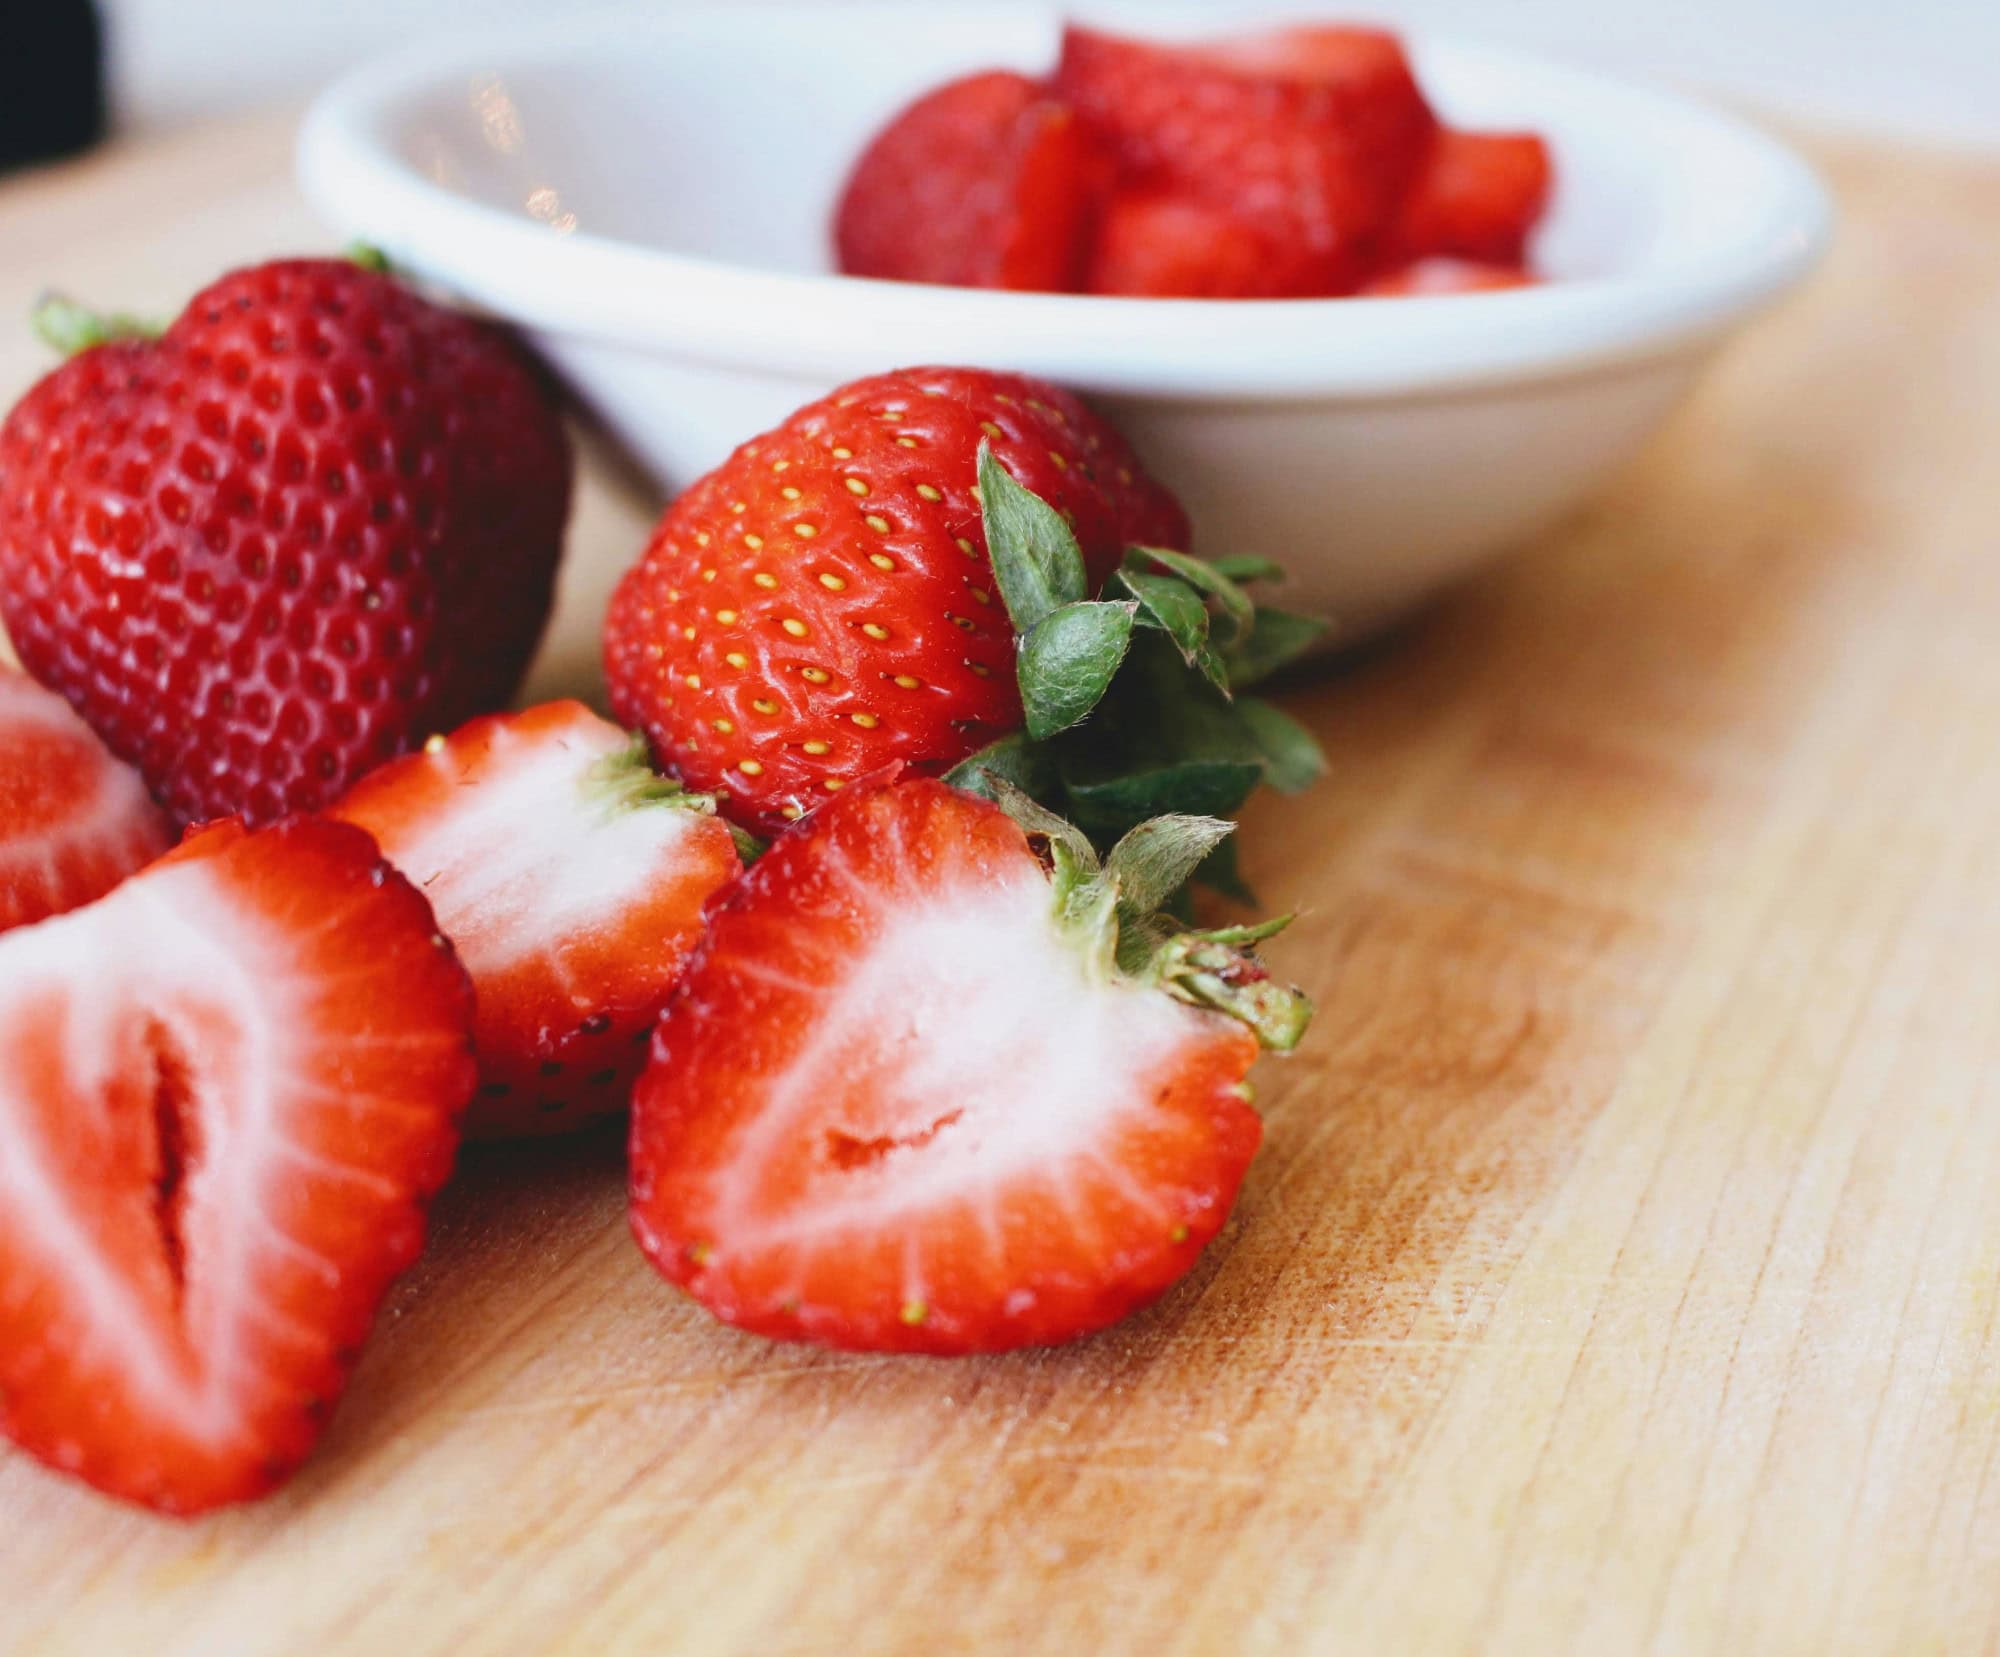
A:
[1208,970]
[70,328]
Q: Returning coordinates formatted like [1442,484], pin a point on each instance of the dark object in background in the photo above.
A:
[51,79]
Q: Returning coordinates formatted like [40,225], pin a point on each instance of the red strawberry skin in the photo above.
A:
[1153,245]
[573,902]
[73,820]
[228,1090]
[821,605]
[1479,197]
[317,520]
[1312,135]
[888,1109]
[986,182]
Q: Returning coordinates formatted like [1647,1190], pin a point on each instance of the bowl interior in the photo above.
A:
[724,133]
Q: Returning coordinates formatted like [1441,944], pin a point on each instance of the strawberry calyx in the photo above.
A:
[1133,699]
[625,781]
[1112,910]
[70,328]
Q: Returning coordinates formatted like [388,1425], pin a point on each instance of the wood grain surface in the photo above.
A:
[1622,1268]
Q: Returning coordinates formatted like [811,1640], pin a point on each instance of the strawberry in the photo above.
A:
[822,604]
[986,182]
[1311,134]
[314,520]
[1436,276]
[1479,196]
[1153,245]
[982,1108]
[226,1091]
[572,881]
[73,821]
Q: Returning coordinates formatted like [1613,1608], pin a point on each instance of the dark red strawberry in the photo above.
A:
[1437,276]
[987,182]
[822,603]
[1153,245]
[316,519]
[572,880]
[226,1091]
[1312,135]
[1479,197]
[73,820]
[915,1095]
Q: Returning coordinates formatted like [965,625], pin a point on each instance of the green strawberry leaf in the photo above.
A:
[1030,767]
[1203,577]
[1177,609]
[1245,567]
[1276,639]
[1036,560]
[1292,758]
[1068,661]
[1155,860]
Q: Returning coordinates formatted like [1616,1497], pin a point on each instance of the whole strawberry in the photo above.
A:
[822,604]
[313,521]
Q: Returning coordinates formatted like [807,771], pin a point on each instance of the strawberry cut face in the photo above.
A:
[894,1107]
[225,1093]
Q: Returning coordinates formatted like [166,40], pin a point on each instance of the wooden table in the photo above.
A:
[1622,1269]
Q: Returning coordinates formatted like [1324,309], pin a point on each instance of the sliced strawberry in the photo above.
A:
[905,1101]
[572,880]
[1479,196]
[73,820]
[1438,276]
[1153,245]
[1311,134]
[987,182]
[226,1091]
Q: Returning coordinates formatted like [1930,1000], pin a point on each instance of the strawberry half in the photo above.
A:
[73,820]
[920,1093]
[226,1091]
[572,880]
[1153,245]
[1479,197]
[987,182]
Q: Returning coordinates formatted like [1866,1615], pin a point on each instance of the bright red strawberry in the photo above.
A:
[987,182]
[73,820]
[1435,276]
[316,519]
[904,1099]
[572,880]
[821,604]
[1311,134]
[1152,245]
[1479,197]
[226,1091]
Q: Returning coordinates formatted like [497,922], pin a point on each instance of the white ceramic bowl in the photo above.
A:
[648,196]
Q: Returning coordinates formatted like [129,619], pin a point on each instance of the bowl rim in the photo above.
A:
[590,287]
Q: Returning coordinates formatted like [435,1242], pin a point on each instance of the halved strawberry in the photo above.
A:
[226,1091]
[917,1093]
[572,880]
[74,821]
[1479,196]
[1438,276]
[986,182]
[1155,245]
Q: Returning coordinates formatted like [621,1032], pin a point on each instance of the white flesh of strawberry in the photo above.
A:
[229,985]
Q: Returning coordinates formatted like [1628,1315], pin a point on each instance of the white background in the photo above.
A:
[1929,68]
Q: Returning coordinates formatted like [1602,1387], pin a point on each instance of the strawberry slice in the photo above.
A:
[919,1094]
[987,182]
[74,821]
[226,1091]
[572,879]
[1155,245]
[1311,134]
[1479,197]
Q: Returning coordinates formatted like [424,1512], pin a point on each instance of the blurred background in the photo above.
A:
[1926,68]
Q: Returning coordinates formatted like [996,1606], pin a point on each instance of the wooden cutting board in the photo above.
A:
[1620,1273]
